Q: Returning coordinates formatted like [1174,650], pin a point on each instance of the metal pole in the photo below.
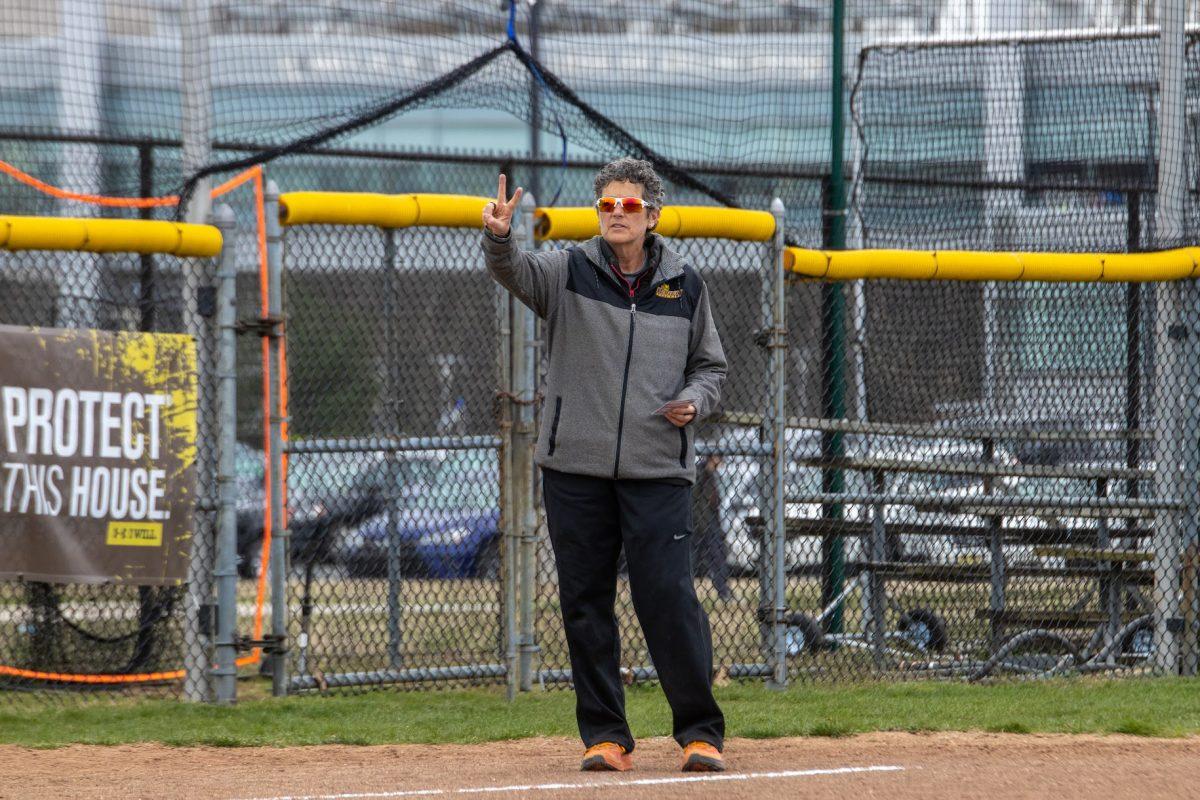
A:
[1176,442]
[997,565]
[777,414]
[1133,348]
[1004,161]
[875,604]
[833,394]
[525,374]
[1172,180]
[280,534]
[764,483]
[856,235]
[149,600]
[1133,353]
[198,302]
[535,101]
[146,273]
[80,108]
[508,524]
[392,492]
[196,119]
[225,673]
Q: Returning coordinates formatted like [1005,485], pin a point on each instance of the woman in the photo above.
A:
[634,362]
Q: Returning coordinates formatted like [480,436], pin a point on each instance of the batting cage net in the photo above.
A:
[943,457]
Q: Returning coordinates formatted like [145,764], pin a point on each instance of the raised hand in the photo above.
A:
[498,213]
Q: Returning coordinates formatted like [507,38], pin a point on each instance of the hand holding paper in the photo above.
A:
[678,412]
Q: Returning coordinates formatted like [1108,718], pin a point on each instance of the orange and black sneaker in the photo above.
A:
[606,757]
[702,757]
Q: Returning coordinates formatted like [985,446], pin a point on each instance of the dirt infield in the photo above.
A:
[882,765]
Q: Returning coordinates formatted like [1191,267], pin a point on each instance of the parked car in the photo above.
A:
[739,484]
[444,519]
[953,488]
[738,479]
[323,491]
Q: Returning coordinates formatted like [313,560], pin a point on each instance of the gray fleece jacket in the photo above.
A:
[616,354]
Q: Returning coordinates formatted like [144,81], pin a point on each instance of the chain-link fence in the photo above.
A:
[394,456]
[994,486]
[976,469]
[68,638]
[965,491]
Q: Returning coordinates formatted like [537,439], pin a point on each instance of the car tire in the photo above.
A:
[1139,642]
[925,630]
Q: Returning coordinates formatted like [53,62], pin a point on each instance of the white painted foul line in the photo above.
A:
[550,787]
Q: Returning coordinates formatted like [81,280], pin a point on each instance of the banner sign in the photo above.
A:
[97,454]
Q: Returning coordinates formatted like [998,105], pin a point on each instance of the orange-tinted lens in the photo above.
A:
[630,205]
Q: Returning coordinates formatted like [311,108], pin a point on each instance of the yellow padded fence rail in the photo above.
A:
[963,265]
[677,222]
[466,211]
[381,210]
[147,237]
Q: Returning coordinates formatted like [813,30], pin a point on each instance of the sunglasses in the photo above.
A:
[630,205]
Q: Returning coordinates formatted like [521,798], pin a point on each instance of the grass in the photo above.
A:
[1167,707]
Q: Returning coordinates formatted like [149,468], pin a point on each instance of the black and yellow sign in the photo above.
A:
[97,453]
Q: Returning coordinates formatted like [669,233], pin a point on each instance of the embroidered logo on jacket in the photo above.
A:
[670,294]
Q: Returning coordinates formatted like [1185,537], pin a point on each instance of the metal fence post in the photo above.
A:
[196,102]
[279,532]
[524,437]
[1178,357]
[395,647]
[1177,461]
[777,429]
[146,277]
[199,610]
[508,572]
[225,573]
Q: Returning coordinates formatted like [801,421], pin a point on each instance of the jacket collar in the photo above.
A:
[670,264]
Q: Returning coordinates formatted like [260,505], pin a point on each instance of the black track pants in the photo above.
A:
[589,520]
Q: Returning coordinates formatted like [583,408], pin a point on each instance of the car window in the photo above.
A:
[454,480]
[326,471]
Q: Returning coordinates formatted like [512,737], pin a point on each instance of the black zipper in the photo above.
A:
[554,424]
[625,382]
[625,379]
[683,447]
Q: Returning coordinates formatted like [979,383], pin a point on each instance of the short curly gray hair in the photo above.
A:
[634,171]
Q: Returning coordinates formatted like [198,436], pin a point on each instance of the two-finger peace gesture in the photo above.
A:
[497,214]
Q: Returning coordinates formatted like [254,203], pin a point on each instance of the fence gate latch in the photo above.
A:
[267,327]
[270,644]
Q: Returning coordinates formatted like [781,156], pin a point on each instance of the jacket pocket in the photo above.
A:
[554,425]
[683,446]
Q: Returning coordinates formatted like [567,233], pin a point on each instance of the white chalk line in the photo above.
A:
[549,787]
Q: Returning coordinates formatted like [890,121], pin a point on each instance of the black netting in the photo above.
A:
[1011,144]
